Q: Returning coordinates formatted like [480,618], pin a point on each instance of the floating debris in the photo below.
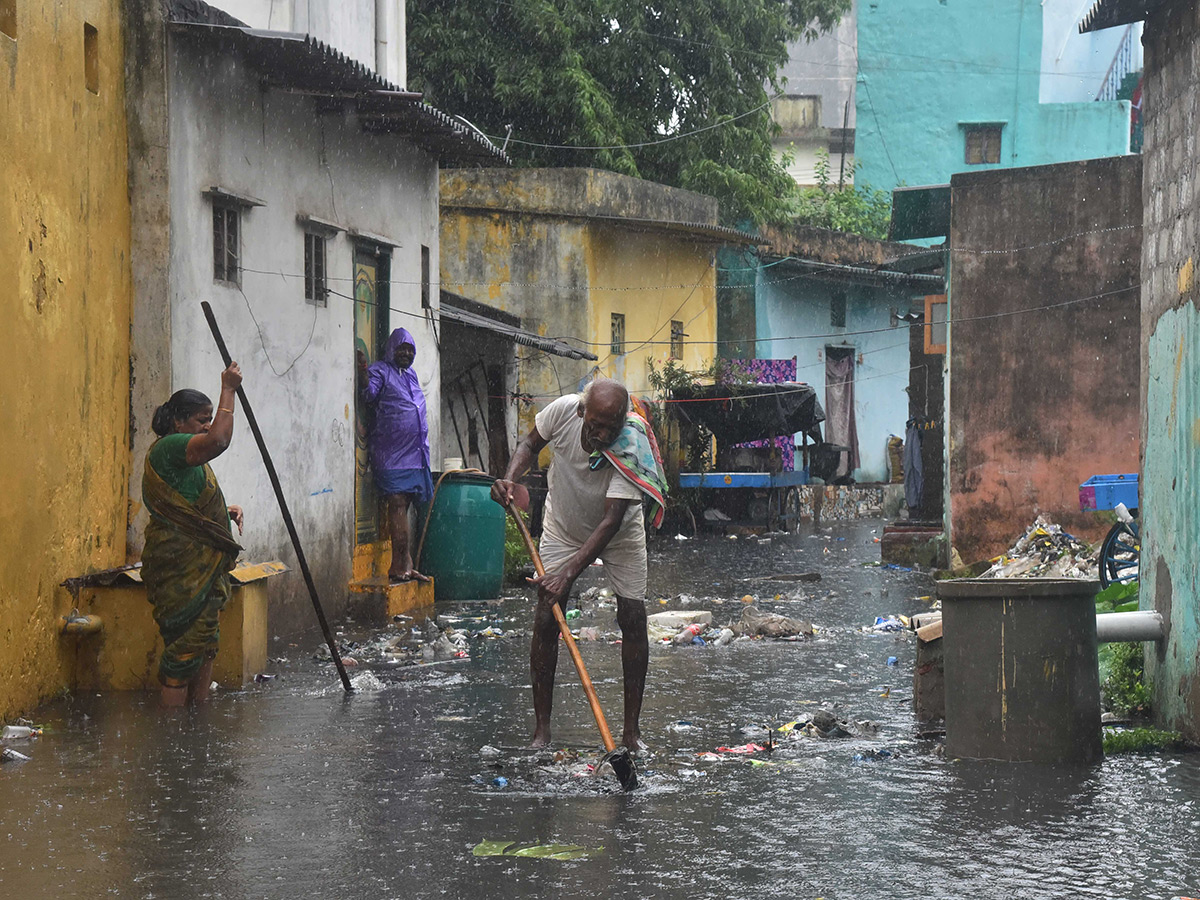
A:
[534,851]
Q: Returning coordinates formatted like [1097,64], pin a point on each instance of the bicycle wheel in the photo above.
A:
[1120,554]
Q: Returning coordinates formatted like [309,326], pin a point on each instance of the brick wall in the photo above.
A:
[1170,361]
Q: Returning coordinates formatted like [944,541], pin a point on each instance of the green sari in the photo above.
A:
[185,567]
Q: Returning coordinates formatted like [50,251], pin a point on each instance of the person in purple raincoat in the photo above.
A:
[398,442]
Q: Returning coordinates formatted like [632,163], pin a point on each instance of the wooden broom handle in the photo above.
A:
[569,639]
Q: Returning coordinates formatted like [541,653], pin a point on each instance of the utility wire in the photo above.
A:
[798,337]
[664,140]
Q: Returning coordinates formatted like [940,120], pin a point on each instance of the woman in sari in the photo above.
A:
[189,545]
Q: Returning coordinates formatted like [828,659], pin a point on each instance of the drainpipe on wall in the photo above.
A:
[390,41]
[381,38]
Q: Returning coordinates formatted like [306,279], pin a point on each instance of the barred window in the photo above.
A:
[316,290]
[983,145]
[618,334]
[677,339]
[226,243]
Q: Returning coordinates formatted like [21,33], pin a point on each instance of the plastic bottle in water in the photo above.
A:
[689,633]
[16,732]
[8,754]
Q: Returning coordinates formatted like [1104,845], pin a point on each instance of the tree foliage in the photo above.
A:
[858,209]
[619,76]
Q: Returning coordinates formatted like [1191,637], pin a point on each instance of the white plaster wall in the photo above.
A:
[1074,64]
[349,25]
[801,157]
[798,322]
[297,359]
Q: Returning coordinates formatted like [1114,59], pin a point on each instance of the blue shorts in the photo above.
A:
[417,483]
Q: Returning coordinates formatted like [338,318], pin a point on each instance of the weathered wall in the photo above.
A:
[651,279]
[790,306]
[1170,363]
[983,65]
[564,249]
[592,193]
[64,265]
[349,25]
[1040,401]
[531,266]
[297,358]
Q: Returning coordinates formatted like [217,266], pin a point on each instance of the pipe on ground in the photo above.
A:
[1142,625]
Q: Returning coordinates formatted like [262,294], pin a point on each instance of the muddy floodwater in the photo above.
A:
[291,790]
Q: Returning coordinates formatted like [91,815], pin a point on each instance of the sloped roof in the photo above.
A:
[301,62]
[468,312]
[1110,13]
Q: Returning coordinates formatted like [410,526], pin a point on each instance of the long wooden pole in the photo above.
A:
[283,507]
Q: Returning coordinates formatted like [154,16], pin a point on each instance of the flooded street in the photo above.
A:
[289,789]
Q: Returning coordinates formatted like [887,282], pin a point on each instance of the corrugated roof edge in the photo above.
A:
[195,14]
[450,310]
[1112,13]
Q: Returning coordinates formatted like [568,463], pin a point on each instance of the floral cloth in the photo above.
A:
[635,455]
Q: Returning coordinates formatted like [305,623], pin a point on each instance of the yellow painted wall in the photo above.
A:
[64,272]
[651,279]
[531,266]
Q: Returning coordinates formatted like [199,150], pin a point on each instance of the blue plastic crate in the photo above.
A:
[1106,491]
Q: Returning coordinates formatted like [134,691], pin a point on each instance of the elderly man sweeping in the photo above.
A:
[605,460]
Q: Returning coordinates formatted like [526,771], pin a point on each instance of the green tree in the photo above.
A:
[619,76]
[858,209]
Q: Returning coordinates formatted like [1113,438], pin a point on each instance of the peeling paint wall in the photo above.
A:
[1170,359]
[564,249]
[532,267]
[64,261]
[1041,401]
[651,280]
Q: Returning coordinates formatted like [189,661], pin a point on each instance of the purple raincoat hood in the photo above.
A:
[395,339]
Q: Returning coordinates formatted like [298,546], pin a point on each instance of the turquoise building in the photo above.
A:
[948,86]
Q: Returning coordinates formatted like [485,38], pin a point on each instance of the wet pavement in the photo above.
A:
[290,789]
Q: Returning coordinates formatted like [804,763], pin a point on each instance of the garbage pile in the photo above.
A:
[1046,551]
[22,732]
[684,627]
[406,644]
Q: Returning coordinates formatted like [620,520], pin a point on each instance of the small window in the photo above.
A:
[8,18]
[226,244]
[618,334]
[837,310]
[936,323]
[316,290]
[91,58]
[983,145]
[677,339]
[426,277]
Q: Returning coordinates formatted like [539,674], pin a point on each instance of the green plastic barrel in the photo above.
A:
[464,544]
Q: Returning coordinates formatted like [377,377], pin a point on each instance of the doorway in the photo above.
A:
[372,273]
[841,427]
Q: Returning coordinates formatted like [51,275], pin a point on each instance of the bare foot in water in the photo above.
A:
[634,743]
[540,740]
